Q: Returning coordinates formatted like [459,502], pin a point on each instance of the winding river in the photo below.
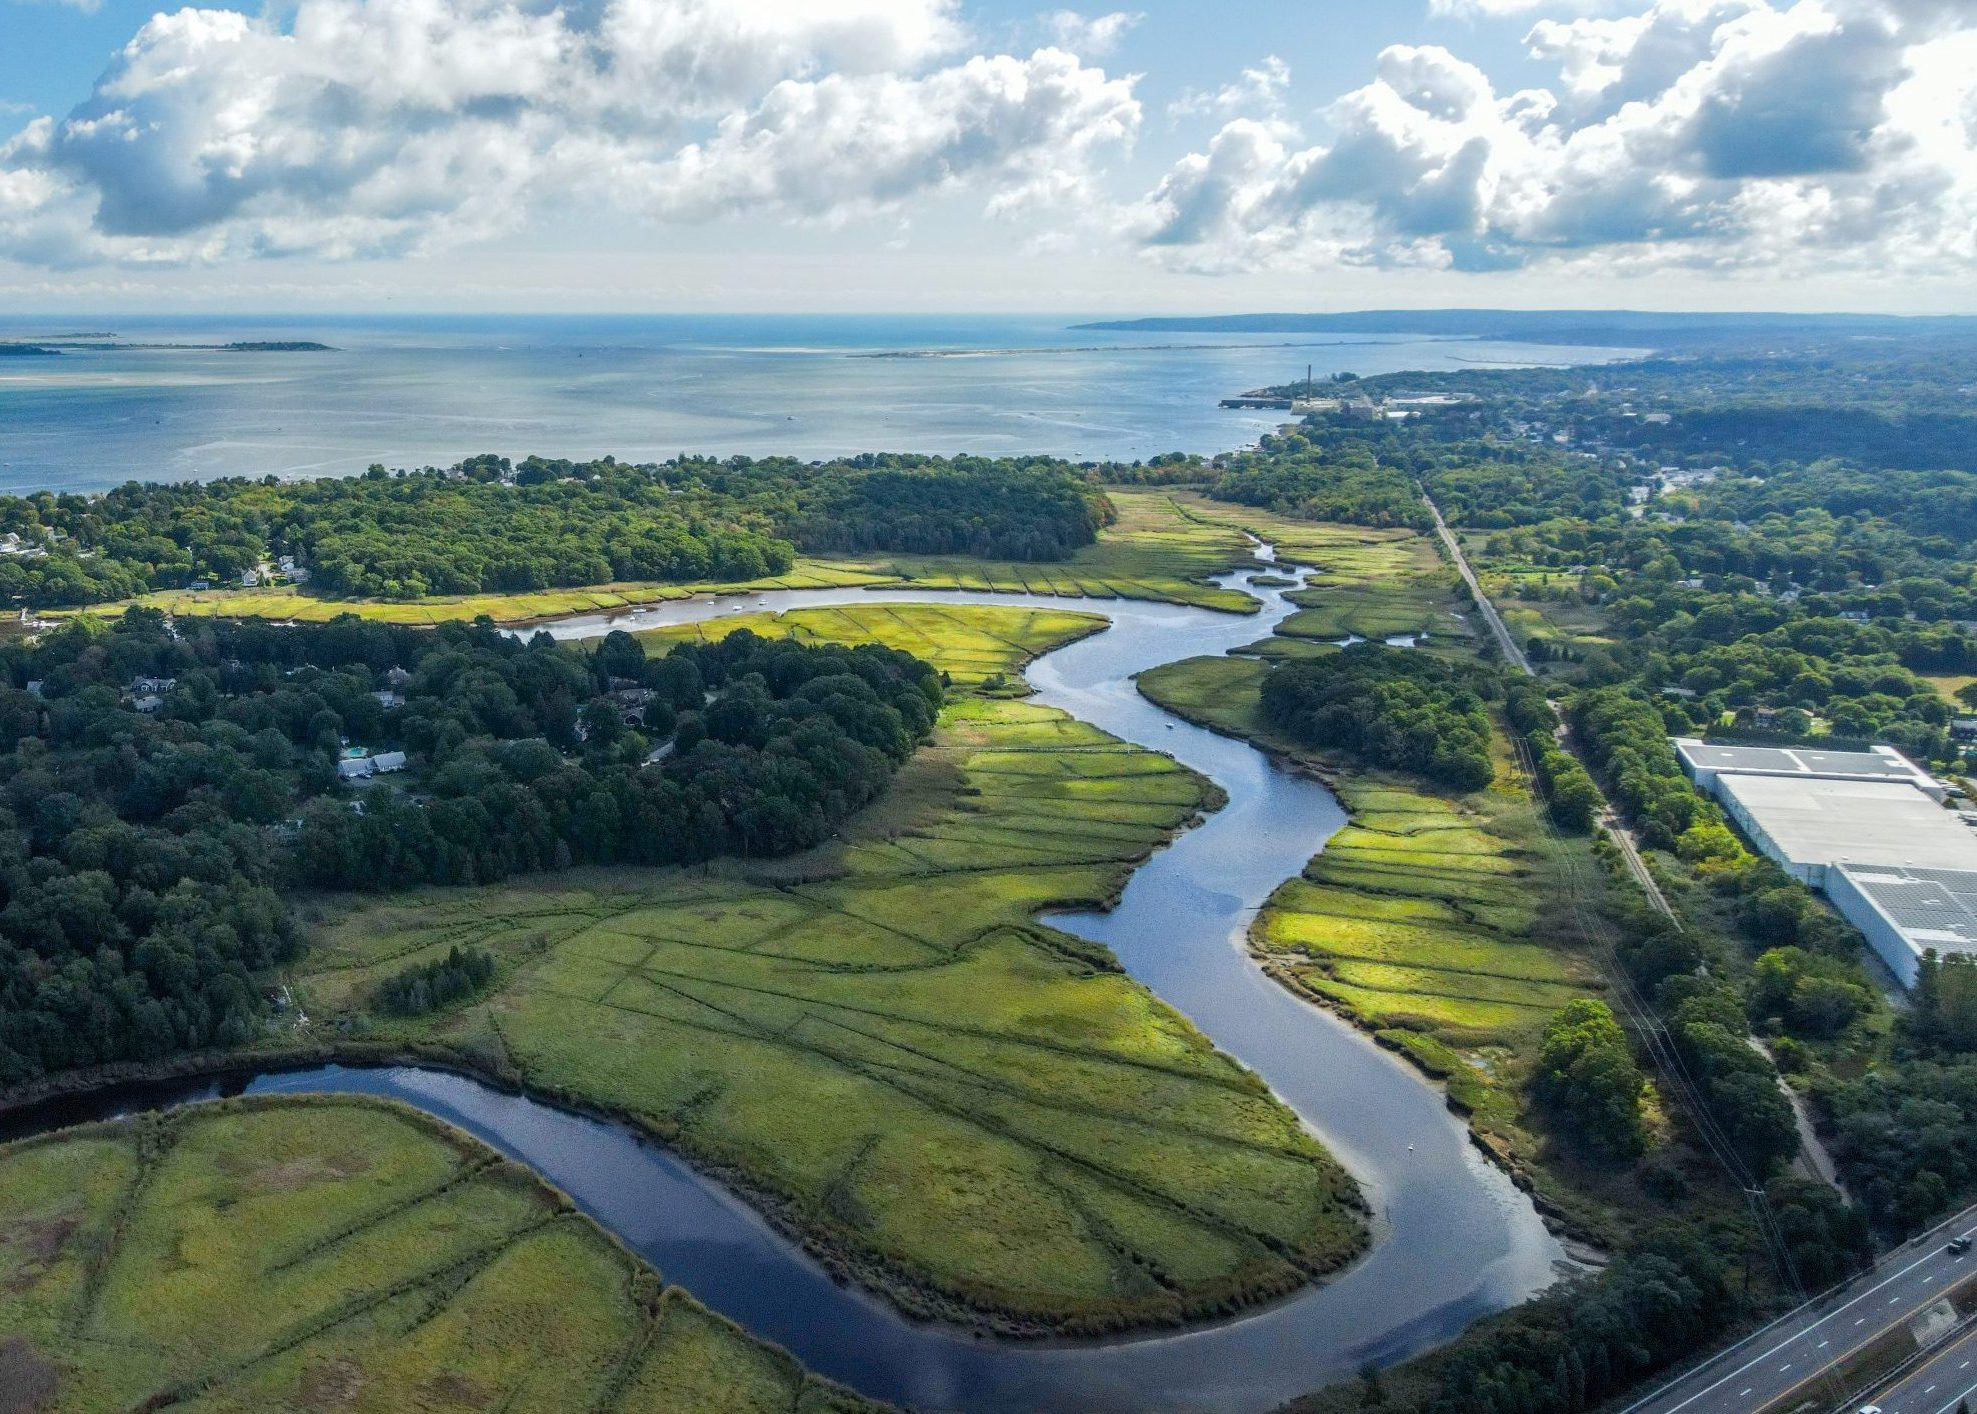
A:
[1453,1239]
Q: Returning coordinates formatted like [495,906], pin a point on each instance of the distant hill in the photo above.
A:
[282,346]
[1569,326]
[26,351]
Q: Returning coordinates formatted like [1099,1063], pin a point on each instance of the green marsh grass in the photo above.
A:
[340,1253]
[972,643]
[980,1115]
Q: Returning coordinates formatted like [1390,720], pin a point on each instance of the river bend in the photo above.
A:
[1453,1239]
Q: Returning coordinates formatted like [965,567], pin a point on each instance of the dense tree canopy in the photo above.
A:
[1393,706]
[142,853]
[487,525]
[1587,1075]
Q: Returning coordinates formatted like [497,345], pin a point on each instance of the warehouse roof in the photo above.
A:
[1881,764]
[1822,820]
[1931,908]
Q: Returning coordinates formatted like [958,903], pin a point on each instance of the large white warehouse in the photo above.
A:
[1869,828]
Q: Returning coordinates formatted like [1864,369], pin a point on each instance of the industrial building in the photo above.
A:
[1809,824]
[1705,761]
[1868,828]
[1904,912]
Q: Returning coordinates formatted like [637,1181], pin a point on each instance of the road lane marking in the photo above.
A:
[1957,1398]
[1726,1377]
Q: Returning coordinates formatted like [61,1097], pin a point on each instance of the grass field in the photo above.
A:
[1521,592]
[338,1254]
[1949,684]
[1430,920]
[973,644]
[978,1114]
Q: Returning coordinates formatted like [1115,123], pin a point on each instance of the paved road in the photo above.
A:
[1794,1358]
[1936,1387]
[1483,604]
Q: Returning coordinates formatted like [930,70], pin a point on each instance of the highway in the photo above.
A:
[1796,1358]
[1936,1387]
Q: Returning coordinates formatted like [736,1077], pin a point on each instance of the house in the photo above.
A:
[1963,729]
[354,768]
[248,579]
[387,761]
[143,687]
[200,584]
[285,563]
[34,687]
[1854,616]
[389,700]
[296,575]
[147,704]
[631,703]
[396,677]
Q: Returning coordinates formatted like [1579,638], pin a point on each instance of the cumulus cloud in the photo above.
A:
[1091,35]
[361,127]
[1717,133]
[1259,89]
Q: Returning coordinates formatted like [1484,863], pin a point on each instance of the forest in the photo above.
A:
[489,525]
[1306,473]
[1391,706]
[144,855]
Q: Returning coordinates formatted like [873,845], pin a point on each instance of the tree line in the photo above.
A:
[491,526]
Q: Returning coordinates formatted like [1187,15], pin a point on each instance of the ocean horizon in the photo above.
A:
[410,391]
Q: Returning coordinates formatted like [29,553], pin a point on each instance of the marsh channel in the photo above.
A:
[1453,1238]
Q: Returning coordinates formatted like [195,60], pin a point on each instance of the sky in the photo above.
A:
[987,155]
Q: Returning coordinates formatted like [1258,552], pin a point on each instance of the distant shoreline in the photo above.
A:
[109,343]
[1150,348]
